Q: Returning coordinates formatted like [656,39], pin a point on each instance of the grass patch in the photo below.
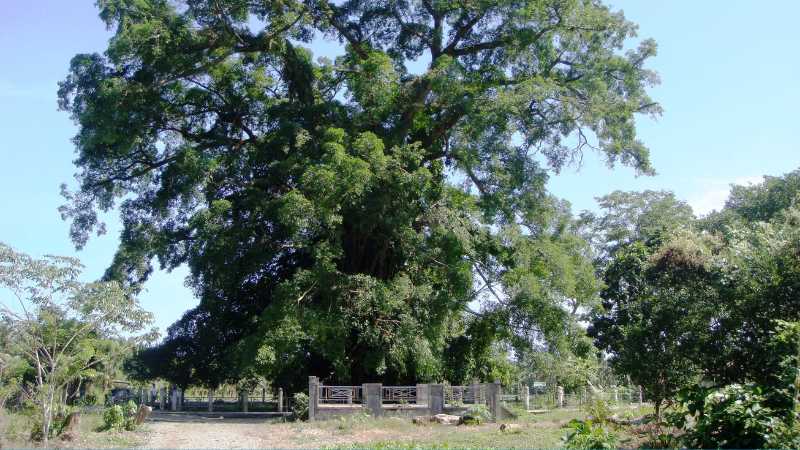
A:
[15,429]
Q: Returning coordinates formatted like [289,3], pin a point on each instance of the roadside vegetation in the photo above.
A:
[355,220]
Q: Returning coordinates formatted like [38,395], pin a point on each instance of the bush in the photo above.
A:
[586,434]
[300,406]
[114,418]
[476,415]
[598,410]
[733,416]
[119,417]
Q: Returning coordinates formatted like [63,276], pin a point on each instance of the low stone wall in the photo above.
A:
[428,400]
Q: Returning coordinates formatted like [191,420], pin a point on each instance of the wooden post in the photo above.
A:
[313,397]
[280,399]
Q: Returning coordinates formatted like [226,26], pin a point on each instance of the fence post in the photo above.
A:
[526,397]
[641,395]
[560,396]
[243,397]
[313,397]
[280,399]
[173,399]
[162,398]
[493,393]
[422,394]
[436,398]
[211,400]
[373,398]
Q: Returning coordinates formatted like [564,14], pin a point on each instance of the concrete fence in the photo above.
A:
[377,400]
[175,399]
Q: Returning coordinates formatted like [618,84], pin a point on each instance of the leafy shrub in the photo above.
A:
[300,406]
[586,434]
[120,417]
[734,416]
[129,410]
[114,418]
[476,415]
[598,410]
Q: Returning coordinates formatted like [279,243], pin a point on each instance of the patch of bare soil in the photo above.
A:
[250,433]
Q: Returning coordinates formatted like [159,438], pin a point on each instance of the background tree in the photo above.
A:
[627,217]
[705,301]
[57,324]
[339,216]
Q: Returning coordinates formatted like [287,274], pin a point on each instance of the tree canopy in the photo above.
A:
[350,217]
[703,299]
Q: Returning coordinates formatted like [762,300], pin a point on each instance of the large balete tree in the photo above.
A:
[345,216]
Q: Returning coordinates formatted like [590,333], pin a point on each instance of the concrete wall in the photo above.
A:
[430,401]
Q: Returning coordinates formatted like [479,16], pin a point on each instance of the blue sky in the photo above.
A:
[730,90]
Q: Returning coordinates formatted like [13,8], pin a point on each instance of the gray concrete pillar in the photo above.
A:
[162,398]
[373,398]
[493,392]
[313,397]
[526,397]
[210,400]
[476,393]
[560,396]
[422,394]
[245,400]
[436,398]
[280,399]
[173,403]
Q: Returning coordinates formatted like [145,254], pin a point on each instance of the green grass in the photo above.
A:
[536,431]
[15,431]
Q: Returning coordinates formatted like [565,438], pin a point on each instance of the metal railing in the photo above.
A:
[399,394]
[339,394]
[457,395]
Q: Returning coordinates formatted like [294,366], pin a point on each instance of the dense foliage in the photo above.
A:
[704,301]
[377,214]
[59,332]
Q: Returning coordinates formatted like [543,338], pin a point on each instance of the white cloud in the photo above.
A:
[713,193]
